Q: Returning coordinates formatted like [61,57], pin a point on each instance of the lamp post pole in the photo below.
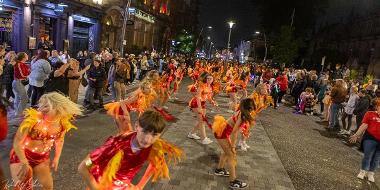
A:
[209,51]
[230,24]
[265,44]
[126,14]
[266,47]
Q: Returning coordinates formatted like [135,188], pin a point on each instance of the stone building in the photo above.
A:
[351,35]
[78,25]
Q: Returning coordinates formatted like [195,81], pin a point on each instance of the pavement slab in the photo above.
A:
[260,166]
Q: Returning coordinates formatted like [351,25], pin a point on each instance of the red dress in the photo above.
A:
[228,129]
[131,162]
[36,158]
[205,94]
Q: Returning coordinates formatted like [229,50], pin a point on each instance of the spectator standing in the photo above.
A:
[144,66]
[121,76]
[349,110]
[58,79]
[361,107]
[111,77]
[21,73]
[75,74]
[96,76]
[54,58]
[8,73]
[321,94]
[2,62]
[283,84]
[369,129]
[45,43]
[338,96]
[65,56]
[40,71]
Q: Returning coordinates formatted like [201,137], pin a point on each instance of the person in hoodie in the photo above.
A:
[361,107]
[96,76]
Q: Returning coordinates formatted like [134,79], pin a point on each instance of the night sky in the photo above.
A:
[216,13]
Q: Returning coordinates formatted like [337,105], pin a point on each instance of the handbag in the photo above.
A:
[84,82]
[25,82]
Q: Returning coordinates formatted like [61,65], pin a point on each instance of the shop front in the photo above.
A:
[10,22]
[83,33]
[147,33]
[112,24]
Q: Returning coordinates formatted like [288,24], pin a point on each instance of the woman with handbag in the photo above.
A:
[21,73]
[75,75]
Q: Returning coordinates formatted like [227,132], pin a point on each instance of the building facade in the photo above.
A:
[78,25]
[148,26]
[352,38]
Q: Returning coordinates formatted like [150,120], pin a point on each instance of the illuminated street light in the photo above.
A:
[98,2]
[209,38]
[230,24]
[209,27]
[265,43]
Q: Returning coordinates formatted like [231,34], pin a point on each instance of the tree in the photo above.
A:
[184,43]
[285,48]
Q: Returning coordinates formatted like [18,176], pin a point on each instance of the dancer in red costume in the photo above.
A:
[216,85]
[242,82]
[140,100]
[38,133]
[114,164]
[231,90]
[3,134]
[179,73]
[198,106]
[262,100]
[226,133]
[166,81]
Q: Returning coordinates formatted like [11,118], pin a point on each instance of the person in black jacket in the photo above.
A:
[8,72]
[96,77]
[361,107]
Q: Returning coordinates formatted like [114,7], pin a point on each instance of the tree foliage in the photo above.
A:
[184,43]
[285,48]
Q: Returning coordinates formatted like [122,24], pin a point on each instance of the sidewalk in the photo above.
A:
[260,166]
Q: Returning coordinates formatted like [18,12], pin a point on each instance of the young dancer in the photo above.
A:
[179,73]
[114,164]
[3,134]
[140,100]
[38,133]
[226,133]
[198,106]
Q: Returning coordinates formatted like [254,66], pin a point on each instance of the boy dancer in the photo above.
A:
[114,164]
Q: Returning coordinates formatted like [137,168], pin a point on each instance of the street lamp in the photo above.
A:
[230,24]
[98,2]
[265,44]
[209,27]
[209,51]
[123,30]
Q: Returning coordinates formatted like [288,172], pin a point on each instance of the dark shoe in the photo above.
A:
[236,184]
[222,172]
